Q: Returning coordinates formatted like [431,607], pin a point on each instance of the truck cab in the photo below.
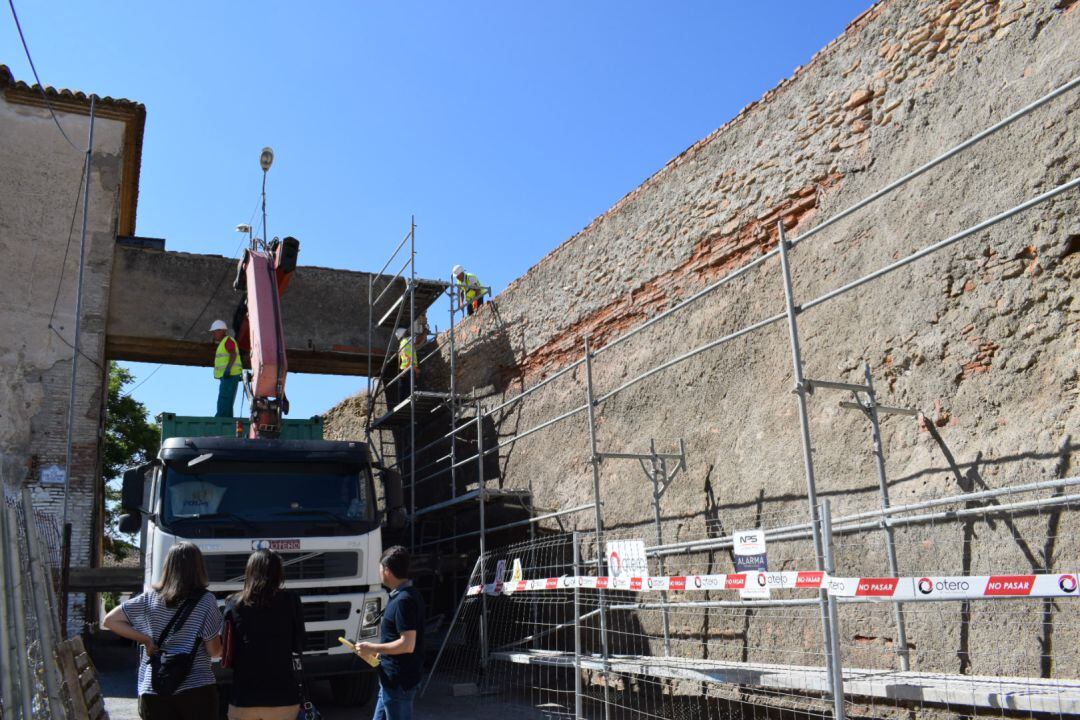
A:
[312,501]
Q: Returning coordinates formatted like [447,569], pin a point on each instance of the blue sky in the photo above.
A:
[504,127]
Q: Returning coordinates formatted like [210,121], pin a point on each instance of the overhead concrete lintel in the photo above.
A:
[161,305]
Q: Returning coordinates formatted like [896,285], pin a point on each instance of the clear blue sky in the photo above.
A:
[504,127]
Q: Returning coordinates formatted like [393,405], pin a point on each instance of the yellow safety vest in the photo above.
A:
[221,360]
[406,354]
[472,287]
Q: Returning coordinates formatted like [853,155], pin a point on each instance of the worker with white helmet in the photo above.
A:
[227,367]
[408,368]
[470,291]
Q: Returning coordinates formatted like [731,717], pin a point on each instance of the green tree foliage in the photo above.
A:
[130,439]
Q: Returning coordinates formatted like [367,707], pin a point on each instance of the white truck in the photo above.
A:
[312,501]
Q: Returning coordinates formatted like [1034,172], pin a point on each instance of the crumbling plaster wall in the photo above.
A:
[982,336]
[40,209]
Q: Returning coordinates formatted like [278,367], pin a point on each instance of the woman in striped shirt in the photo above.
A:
[143,619]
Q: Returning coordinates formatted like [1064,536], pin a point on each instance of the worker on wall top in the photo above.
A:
[227,368]
[470,291]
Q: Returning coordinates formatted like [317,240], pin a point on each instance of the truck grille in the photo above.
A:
[322,639]
[323,611]
[320,566]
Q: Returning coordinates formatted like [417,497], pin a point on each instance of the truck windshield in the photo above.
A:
[241,499]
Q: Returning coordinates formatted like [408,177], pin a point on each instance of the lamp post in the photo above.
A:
[266,159]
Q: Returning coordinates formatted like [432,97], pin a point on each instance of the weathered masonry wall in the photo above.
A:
[40,194]
[982,337]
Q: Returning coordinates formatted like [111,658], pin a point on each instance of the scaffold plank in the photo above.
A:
[425,402]
[474,495]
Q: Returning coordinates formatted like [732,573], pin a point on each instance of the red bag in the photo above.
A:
[228,643]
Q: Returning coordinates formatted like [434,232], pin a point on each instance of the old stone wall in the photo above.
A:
[40,219]
[982,337]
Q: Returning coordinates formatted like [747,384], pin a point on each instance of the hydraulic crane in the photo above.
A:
[263,274]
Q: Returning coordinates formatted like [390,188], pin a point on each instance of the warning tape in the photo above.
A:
[933,587]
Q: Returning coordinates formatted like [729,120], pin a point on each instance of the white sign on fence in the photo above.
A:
[752,558]
[626,559]
[517,574]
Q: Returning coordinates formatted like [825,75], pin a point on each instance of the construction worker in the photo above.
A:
[470,291]
[227,368]
[406,364]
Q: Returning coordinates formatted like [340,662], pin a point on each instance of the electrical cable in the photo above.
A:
[209,300]
[67,248]
[41,87]
[63,268]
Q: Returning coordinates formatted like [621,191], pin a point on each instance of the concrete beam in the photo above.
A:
[162,303]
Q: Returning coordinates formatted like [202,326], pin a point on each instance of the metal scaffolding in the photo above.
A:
[821,527]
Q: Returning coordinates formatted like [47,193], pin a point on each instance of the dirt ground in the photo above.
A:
[116,665]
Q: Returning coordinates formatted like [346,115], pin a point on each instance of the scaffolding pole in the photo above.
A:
[453,393]
[578,715]
[483,536]
[807,448]
[413,379]
[598,509]
[836,676]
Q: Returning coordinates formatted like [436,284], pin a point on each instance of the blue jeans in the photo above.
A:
[226,395]
[394,704]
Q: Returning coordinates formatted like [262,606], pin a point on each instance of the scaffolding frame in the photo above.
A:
[820,525]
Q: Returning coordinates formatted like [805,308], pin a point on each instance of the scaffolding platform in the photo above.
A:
[425,402]
[425,293]
[472,496]
[1014,694]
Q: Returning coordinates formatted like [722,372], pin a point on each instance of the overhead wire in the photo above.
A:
[74,211]
[37,78]
[209,299]
[63,268]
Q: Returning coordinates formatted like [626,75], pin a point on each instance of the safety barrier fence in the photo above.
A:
[32,683]
[659,634]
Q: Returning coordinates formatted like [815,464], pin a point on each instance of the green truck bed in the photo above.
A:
[173,425]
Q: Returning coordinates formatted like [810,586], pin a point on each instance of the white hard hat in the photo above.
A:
[457,270]
[400,332]
[218,325]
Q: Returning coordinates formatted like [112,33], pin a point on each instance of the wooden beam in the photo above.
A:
[106,579]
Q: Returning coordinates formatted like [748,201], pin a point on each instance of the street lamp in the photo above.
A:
[266,159]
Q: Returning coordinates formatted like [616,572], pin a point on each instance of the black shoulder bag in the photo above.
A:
[168,671]
[307,709]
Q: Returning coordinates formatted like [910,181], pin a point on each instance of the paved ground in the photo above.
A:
[116,665]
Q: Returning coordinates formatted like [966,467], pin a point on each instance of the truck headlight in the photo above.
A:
[369,625]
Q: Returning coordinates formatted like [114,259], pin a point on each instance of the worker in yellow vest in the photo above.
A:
[406,364]
[470,291]
[227,368]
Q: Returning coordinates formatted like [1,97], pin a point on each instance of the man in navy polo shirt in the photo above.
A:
[401,639]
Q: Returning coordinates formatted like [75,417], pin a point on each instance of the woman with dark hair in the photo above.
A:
[182,610]
[267,628]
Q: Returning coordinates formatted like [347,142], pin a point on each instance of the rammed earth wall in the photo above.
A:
[982,336]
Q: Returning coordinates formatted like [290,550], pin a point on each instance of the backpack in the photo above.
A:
[169,670]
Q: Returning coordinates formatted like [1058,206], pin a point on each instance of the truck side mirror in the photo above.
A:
[130,522]
[131,492]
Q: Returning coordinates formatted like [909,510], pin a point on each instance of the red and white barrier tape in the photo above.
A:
[940,587]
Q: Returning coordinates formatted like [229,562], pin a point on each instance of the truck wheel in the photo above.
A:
[353,690]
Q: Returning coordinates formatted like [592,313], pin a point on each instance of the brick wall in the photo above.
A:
[39,189]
